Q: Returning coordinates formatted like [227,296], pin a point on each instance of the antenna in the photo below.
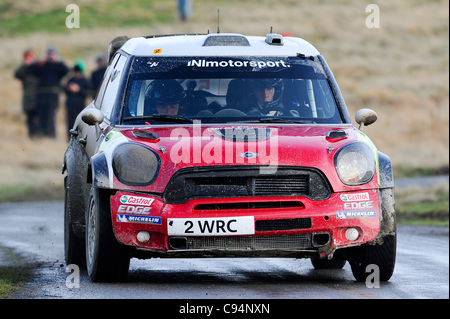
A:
[270,29]
[218,20]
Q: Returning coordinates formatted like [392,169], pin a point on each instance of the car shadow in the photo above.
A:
[224,271]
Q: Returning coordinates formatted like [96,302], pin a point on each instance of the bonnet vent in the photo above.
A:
[226,40]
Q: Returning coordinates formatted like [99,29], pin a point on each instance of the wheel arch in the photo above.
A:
[385,171]
[99,172]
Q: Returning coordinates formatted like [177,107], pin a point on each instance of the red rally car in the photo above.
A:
[224,145]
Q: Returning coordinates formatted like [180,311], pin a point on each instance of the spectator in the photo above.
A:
[76,92]
[115,45]
[50,71]
[29,84]
[97,75]
[185,9]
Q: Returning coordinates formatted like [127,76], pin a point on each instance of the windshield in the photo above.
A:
[228,90]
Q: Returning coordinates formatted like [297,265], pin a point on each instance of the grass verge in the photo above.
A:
[14,272]
[31,193]
[406,171]
[16,21]
[426,207]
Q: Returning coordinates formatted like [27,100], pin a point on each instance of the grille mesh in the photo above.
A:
[243,181]
[281,185]
[283,224]
[296,241]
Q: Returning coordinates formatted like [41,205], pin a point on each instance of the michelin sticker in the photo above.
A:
[123,218]
[356,214]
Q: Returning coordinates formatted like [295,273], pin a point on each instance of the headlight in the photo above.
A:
[355,163]
[135,165]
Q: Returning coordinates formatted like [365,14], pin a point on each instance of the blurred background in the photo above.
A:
[400,70]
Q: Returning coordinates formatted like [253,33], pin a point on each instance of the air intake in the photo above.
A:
[226,40]
[274,39]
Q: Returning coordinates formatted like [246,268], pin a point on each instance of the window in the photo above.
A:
[223,89]
[101,91]
[113,78]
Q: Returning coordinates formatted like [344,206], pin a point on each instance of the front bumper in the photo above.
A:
[245,227]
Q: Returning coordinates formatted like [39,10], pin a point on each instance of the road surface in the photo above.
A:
[35,230]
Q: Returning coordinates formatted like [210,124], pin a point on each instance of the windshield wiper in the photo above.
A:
[160,117]
[280,120]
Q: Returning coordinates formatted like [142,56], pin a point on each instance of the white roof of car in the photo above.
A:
[219,44]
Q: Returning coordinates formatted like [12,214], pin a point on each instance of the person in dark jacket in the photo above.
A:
[50,73]
[97,74]
[76,90]
[29,84]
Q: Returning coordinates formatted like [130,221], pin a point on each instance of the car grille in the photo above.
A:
[239,181]
[250,205]
[281,185]
[283,224]
[251,243]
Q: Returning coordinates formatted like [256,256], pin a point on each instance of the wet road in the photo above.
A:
[35,230]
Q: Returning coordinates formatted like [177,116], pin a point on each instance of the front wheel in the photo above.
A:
[381,255]
[106,259]
[73,245]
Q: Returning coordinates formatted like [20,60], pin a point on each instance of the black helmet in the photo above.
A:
[163,92]
[270,83]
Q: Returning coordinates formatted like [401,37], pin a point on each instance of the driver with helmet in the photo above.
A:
[164,97]
[268,94]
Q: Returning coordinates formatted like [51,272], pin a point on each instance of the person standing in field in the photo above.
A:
[29,84]
[185,9]
[97,74]
[50,72]
[76,89]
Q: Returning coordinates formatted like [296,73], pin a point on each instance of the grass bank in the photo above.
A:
[423,207]
[14,272]
[19,18]
[30,193]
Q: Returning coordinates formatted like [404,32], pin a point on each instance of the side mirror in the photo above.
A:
[365,117]
[92,117]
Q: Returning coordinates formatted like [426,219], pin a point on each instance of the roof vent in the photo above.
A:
[274,39]
[226,40]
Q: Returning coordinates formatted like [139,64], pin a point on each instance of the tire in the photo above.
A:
[381,255]
[74,251]
[382,251]
[335,263]
[106,259]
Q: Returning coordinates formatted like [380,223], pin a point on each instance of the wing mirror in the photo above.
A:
[93,117]
[365,117]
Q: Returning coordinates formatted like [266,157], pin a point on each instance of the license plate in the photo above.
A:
[219,226]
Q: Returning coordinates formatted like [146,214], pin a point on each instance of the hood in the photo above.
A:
[259,145]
